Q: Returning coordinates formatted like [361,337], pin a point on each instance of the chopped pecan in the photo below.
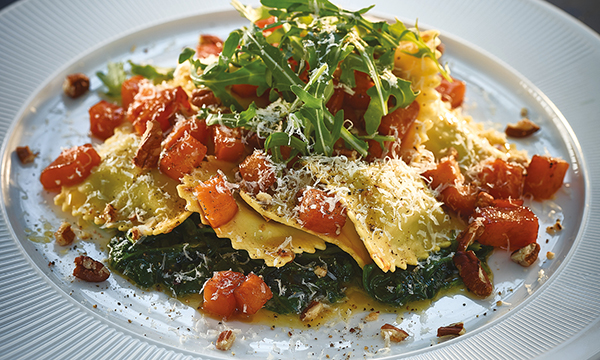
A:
[135,234]
[264,197]
[225,340]
[372,316]
[204,97]
[109,214]
[472,274]
[554,228]
[392,333]
[25,154]
[451,330]
[76,85]
[90,270]
[320,271]
[148,152]
[526,255]
[64,235]
[312,311]
[550,255]
[523,128]
[285,255]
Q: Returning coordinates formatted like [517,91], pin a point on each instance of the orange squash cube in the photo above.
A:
[216,201]
[545,175]
[510,227]
[219,290]
[252,294]
[182,157]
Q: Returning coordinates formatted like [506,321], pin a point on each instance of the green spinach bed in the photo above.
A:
[185,258]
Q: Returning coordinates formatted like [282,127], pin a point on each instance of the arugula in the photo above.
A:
[157,74]
[113,79]
[315,38]
[116,75]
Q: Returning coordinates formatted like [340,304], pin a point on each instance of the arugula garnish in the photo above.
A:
[113,79]
[116,75]
[315,36]
[157,74]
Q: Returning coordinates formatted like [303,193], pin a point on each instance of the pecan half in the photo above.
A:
[148,152]
[225,340]
[391,332]
[25,154]
[523,128]
[526,255]
[472,274]
[469,235]
[76,85]
[90,270]
[451,330]
[64,235]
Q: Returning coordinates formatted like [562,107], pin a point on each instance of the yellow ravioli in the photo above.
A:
[141,199]
[397,217]
[347,240]
[273,242]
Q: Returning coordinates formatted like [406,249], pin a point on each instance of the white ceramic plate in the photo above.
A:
[44,313]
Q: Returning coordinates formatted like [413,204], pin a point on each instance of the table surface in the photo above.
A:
[586,11]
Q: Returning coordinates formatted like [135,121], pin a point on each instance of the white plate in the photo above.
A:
[45,314]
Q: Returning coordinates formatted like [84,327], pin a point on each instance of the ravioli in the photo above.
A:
[273,242]
[471,142]
[347,240]
[397,217]
[143,200]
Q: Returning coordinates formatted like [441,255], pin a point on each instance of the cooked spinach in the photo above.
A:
[419,282]
[185,258]
[295,285]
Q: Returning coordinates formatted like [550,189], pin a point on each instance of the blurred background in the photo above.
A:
[586,11]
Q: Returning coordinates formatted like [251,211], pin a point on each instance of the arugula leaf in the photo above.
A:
[155,73]
[113,79]
[186,54]
[315,35]
[274,59]
[250,13]
[240,119]
[309,100]
[278,139]
[400,90]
